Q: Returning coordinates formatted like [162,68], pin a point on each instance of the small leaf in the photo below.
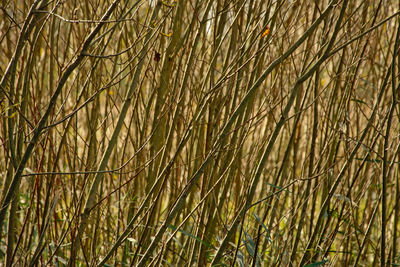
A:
[358,101]
[265,227]
[265,33]
[316,263]
[370,160]
[249,243]
[13,115]
[173,228]
[169,34]
[168,4]
[278,187]
[240,259]
[62,260]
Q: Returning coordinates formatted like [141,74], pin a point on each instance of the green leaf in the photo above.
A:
[370,160]
[316,263]
[173,228]
[358,101]
[62,260]
[240,259]
[278,187]
[268,235]
[334,214]
[249,243]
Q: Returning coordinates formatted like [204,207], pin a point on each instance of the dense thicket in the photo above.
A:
[199,133]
